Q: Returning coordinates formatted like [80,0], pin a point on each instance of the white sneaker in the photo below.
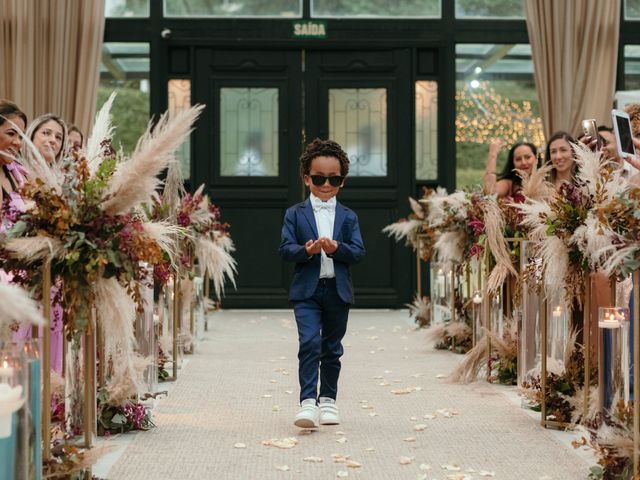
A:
[328,412]
[309,414]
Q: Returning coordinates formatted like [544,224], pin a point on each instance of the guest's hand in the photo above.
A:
[589,142]
[329,246]
[313,248]
[494,147]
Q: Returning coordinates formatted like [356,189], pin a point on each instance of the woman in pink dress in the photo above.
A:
[48,134]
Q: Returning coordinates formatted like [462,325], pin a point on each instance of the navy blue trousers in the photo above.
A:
[322,323]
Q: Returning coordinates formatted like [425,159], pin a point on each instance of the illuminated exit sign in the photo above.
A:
[304,29]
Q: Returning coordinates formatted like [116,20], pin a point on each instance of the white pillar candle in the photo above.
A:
[11,400]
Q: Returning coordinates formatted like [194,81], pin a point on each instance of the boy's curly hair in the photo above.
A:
[323,148]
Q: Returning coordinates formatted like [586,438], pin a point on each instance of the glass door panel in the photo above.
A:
[358,122]
[249,132]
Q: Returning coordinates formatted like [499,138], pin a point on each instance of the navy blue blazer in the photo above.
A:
[300,227]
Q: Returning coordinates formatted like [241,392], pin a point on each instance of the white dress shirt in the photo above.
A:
[325,214]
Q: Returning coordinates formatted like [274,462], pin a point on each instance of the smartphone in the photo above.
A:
[624,138]
[590,129]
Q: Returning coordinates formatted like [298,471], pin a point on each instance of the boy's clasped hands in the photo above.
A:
[323,243]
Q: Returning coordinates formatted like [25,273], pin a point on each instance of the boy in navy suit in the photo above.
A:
[323,238]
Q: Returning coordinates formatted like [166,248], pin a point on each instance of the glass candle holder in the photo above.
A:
[529,353]
[12,398]
[614,357]
[441,292]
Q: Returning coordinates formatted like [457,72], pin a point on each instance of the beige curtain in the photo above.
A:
[574,45]
[50,54]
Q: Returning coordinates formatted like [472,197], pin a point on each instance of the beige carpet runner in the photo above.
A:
[230,414]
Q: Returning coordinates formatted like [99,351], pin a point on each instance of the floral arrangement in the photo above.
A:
[611,437]
[565,389]
[121,418]
[453,336]
[493,352]
[206,238]
[572,227]
[81,215]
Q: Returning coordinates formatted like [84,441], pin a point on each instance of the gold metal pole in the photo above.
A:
[101,361]
[453,292]
[176,322]
[418,274]
[586,338]
[636,370]
[46,361]
[206,296]
[467,278]
[487,318]
[543,367]
[89,382]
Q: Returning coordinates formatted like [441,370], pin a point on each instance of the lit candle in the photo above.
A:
[440,284]
[609,318]
[6,372]
[557,312]
[477,298]
[11,400]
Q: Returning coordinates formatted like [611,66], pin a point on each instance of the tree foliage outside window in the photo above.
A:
[376,8]
[490,8]
[126,8]
[511,99]
[632,9]
[232,8]
[130,111]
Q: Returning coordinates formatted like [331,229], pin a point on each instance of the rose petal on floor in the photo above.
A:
[283,468]
[405,460]
[441,375]
[410,439]
[424,467]
[340,433]
[428,416]
[420,427]
[402,391]
[342,474]
[313,459]
[352,464]
[288,442]
[240,445]
[450,468]
[485,473]
[342,440]
[339,458]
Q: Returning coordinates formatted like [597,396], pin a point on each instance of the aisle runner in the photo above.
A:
[230,414]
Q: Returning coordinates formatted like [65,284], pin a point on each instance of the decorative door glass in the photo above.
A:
[426,130]
[249,132]
[358,122]
[179,92]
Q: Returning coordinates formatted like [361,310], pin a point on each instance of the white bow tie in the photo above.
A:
[320,205]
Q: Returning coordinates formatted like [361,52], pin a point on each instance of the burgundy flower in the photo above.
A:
[477,226]
[476,250]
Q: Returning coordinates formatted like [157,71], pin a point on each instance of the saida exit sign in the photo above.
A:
[308,29]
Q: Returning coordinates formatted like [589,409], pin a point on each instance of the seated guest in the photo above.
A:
[522,157]
[12,123]
[76,139]
[49,135]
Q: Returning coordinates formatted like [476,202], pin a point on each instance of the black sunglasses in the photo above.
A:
[319,180]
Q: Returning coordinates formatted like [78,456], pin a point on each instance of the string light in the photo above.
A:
[483,114]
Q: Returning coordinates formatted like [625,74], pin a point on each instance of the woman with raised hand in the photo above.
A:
[522,157]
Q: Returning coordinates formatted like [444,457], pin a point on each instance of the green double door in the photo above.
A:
[262,106]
